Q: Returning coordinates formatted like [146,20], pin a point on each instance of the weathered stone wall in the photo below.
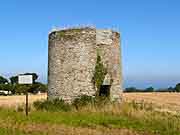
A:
[108,43]
[72,60]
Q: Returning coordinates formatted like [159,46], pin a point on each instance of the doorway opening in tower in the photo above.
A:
[104,90]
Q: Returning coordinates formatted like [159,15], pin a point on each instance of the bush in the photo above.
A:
[78,103]
[85,100]
[101,100]
[52,105]
[82,101]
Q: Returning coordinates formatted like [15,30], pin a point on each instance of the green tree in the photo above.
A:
[3,80]
[177,88]
[14,79]
[21,89]
[150,89]
[131,89]
[37,86]
[171,89]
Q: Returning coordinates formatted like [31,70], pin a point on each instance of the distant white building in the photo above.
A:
[5,92]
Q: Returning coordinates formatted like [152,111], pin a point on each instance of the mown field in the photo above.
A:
[132,117]
[166,101]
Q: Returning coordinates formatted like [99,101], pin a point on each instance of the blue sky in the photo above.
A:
[150,32]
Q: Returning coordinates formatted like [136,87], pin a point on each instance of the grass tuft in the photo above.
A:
[52,105]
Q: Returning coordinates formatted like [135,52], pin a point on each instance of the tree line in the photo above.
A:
[11,85]
[151,89]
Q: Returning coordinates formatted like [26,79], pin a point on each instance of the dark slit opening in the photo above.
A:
[105,90]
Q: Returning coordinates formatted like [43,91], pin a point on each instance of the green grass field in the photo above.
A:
[125,119]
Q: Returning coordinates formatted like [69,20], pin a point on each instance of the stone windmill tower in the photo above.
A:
[73,55]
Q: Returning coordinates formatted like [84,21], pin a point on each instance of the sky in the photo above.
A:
[150,35]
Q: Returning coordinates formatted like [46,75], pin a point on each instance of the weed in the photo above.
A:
[82,101]
[20,109]
[52,105]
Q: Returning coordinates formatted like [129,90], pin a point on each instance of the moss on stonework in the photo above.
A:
[99,74]
[68,34]
[74,30]
[64,36]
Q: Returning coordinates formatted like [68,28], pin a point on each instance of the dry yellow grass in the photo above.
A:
[164,100]
[14,101]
